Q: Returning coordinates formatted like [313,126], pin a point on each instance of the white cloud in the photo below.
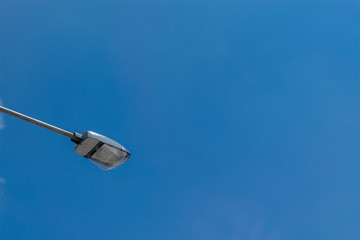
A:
[2,197]
[2,123]
[2,181]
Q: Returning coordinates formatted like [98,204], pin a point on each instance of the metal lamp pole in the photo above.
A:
[74,136]
[102,151]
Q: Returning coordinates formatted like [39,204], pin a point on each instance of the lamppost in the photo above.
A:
[102,151]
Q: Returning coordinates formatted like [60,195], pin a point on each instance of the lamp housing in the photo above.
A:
[102,151]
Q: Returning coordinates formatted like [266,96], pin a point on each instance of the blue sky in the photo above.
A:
[242,118]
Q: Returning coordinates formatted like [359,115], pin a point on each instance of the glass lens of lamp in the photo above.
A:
[108,157]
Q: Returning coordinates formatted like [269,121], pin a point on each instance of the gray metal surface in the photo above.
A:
[102,151]
[85,146]
[101,138]
[91,139]
[73,136]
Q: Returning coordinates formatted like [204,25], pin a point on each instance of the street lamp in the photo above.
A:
[102,151]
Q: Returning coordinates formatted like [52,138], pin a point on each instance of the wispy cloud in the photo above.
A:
[2,123]
[2,197]
[2,181]
[226,218]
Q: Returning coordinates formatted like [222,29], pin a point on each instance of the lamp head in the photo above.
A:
[102,151]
